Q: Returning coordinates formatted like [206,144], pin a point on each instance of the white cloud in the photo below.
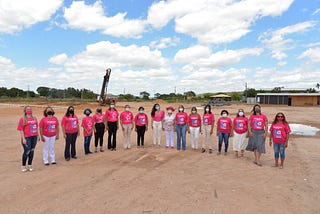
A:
[16,15]
[316,12]
[276,40]
[164,43]
[313,54]
[212,21]
[92,18]
[58,59]
[202,56]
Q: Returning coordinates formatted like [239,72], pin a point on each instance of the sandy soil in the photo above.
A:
[159,180]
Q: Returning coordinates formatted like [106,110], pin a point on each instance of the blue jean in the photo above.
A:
[181,136]
[28,150]
[223,137]
[279,150]
[87,140]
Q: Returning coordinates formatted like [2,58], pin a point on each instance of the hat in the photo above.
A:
[87,109]
[170,107]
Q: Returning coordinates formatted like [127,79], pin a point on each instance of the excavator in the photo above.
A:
[103,99]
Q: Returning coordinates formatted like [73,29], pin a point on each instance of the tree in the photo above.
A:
[43,91]
[276,90]
[144,95]
[236,96]
[190,94]
[318,86]
[311,90]
[251,92]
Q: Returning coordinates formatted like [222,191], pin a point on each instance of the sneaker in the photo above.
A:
[53,163]
[23,169]
[101,150]
[96,150]
[46,164]
[225,153]
[67,159]
[74,157]
[218,153]
[172,147]
[167,147]
[210,151]
[30,168]
[203,150]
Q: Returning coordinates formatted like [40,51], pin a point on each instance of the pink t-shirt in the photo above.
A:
[208,119]
[70,124]
[158,116]
[224,125]
[98,118]
[126,117]
[279,132]
[141,119]
[112,115]
[240,125]
[49,126]
[257,122]
[30,128]
[181,118]
[194,120]
[87,124]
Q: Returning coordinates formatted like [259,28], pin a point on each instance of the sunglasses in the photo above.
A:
[279,116]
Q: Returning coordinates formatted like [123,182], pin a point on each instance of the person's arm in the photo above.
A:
[249,129]
[200,124]
[147,123]
[57,131]
[265,130]
[287,138]
[23,139]
[231,128]
[41,134]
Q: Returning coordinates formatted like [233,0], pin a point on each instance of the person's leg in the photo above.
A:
[196,138]
[183,135]
[282,154]
[96,137]
[143,130]
[226,142]
[26,151]
[159,130]
[73,145]
[46,149]
[178,130]
[192,137]
[51,149]
[67,147]
[114,140]
[168,138]
[276,154]
[138,135]
[125,135]
[171,139]
[109,135]
[204,138]
[220,138]
[154,133]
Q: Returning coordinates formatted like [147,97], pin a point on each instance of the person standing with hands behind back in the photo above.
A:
[28,127]
[141,125]
[194,127]
[70,130]
[112,116]
[88,129]
[181,121]
[224,131]
[127,123]
[157,116]
[208,124]
[257,130]
[279,134]
[99,129]
[49,132]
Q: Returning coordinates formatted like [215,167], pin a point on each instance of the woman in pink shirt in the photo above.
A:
[127,123]
[141,125]
[279,134]
[194,127]
[257,131]
[181,120]
[88,129]
[28,128]
[224,131]
[49,133]
[112,116]
[157,117]
[208,124]
[99,129]
[240,128]
[70,130]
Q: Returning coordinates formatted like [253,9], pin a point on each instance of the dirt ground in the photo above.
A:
[159,180]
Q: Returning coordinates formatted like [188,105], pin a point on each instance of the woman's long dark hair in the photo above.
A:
[153,111]
[68,114]
[253,109]
[207,106]
[45,111]
[280,114]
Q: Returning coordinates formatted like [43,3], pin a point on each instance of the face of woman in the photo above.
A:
[28,111]
[280,117]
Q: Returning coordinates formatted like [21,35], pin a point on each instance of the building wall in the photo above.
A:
[304,100]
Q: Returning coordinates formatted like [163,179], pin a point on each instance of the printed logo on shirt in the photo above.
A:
[277,134]
[33,128]
[205,121]
[74,123]
[239,125]
[194,122]
[51,127]
[223,125]
[142,120]
[181,119]
[257,124]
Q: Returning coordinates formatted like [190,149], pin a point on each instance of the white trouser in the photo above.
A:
[157,127]
[126,135]
[239,141]
[170,138]
[48,148]
[194,135]
[207,139]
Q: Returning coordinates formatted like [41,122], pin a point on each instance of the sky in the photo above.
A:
[171,46]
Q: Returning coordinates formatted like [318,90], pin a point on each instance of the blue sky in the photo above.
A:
[157,46]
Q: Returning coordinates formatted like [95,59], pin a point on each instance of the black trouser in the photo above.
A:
[98,135]
[70,142]
[140,137]
[28,150]
[112,135]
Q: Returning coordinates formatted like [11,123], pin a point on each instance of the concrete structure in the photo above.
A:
[290,99]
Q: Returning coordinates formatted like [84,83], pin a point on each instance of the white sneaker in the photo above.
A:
[30,168]
[23,169]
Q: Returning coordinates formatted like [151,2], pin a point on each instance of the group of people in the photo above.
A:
[240,128]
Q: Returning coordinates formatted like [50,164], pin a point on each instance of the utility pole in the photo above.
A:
[28,95]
